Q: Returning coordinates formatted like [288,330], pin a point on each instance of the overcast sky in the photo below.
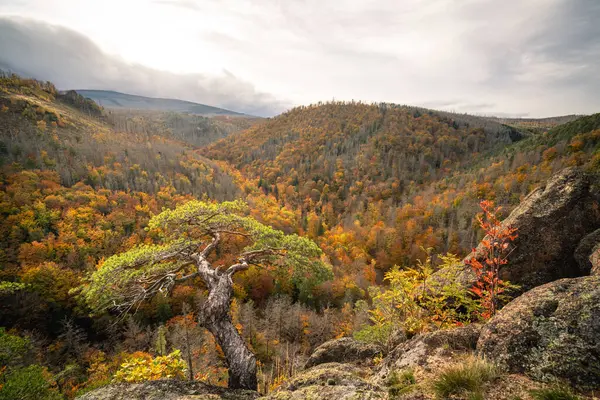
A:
[504,57]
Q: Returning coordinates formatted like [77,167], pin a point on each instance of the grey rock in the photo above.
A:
[551,332]
[330,381]
[430,349]
[585,251]
[551,222]
[347,350]
[167,389]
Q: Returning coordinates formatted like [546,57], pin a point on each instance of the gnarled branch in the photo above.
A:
[241,266]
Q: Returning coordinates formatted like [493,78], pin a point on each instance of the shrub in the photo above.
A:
[465,380]
[14,350]
[140,369]
[379,333]
[554,393]
[489,288]
[401,382]
[416,301]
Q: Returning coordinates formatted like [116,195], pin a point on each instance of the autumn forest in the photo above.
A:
[321,217]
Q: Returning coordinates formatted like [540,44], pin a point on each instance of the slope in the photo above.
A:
[110,99]
[196,130]
[42,129]
[75,187]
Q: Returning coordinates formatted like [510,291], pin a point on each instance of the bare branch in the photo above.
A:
[186,277]
[241,266]
[212,245]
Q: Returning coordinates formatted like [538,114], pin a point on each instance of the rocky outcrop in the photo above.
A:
[551,332]
[430,349]
[345,350]
[551,221]
[595,260]
[329,381]
[167,390]
[588,252]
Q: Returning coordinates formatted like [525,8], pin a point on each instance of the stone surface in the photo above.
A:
[430,350]
[595,260]
[584,253]
[330,381]
[551,222]
[551,332]
[167,390]
[347,350]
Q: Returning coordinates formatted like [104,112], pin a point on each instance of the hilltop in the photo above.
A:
[537,125]
[116,100]
[376,183]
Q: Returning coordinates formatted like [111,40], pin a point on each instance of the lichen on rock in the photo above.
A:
[345,350]
[167,389]
[550,333]
[330,381]
[430,350]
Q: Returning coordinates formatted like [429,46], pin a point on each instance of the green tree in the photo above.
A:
[29,383]
[14,350]
[190,238]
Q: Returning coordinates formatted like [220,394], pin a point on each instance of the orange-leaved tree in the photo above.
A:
[495,249]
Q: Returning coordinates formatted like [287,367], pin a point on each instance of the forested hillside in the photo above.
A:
[537,125]
[78,185]
[42,129]
[193,129]
[376,183]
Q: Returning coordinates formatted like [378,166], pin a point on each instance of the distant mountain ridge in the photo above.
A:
[112,99]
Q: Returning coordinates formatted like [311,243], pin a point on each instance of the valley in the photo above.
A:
[379,190]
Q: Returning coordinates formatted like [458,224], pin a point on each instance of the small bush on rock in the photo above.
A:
[415,302]
[554,393]
[465,380]
[140,369]
[401,382]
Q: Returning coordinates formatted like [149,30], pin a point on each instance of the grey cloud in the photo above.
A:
[537,57]
[572,33]
[71,60]
[190,5]
[555,44]
[461,106]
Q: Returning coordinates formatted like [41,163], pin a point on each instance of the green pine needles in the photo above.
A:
[185,236]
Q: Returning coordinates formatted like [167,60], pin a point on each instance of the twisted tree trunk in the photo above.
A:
[215,317]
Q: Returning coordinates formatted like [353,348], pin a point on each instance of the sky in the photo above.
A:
[529,58]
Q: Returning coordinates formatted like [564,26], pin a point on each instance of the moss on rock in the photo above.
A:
[167,390]
[330,381]
[551,332]
[345,349]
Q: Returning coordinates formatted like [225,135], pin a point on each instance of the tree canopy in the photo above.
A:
[185,237]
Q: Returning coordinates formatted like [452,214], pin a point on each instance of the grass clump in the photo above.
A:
[401,382]
[554,393]
[466,380]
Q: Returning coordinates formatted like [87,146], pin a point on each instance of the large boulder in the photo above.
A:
[430,350]
[551,332]
[330,381]
[551,221]
[345,350]
[167,390]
